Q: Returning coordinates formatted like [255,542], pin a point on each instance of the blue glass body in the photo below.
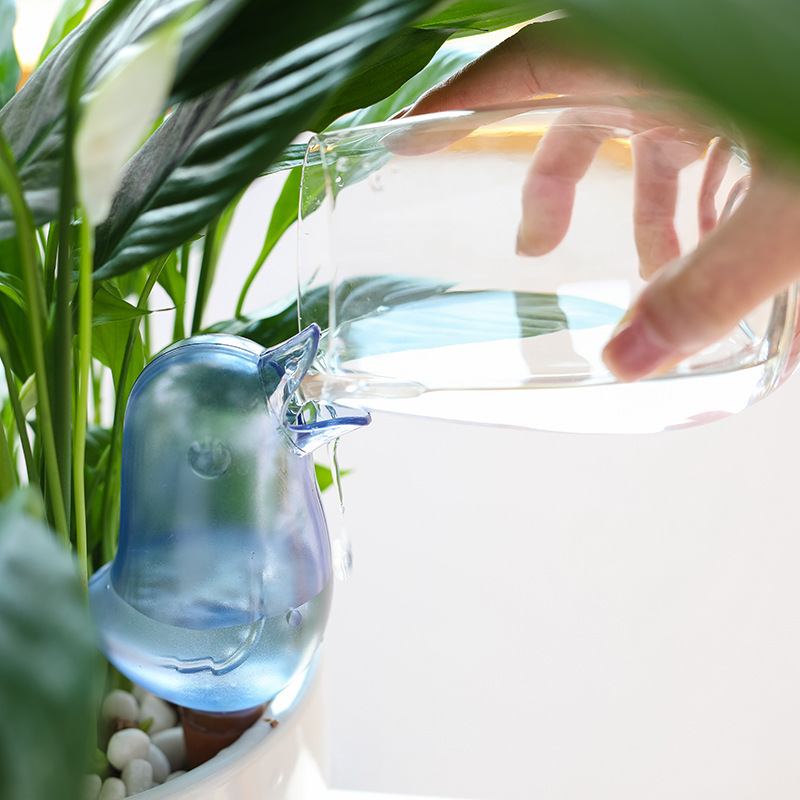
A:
[220,589]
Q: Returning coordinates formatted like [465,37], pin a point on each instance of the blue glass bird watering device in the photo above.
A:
[221,586]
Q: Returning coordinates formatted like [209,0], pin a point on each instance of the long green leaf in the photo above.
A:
[13,321]
[259,31]
[445,63]
[482,16]
[48,662]
[9,63]
[391,65]
[13,287]
[69,16]
[266,113]
[284,214]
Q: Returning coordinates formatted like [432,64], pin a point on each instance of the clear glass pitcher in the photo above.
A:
[437,302]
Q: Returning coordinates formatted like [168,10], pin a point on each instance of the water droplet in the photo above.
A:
[209,458]
[342,557]
[294,617]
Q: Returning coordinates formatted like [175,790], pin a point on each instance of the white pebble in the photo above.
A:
[90,788]
[172,743]
[160,764]
[127,744]
[137,776]
[153,708]
[112,789]
[176,774]
[120,704]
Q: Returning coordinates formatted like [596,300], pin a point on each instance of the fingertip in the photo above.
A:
[532,243]
[635,351]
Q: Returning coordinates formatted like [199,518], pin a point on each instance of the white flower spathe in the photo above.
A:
[119,112]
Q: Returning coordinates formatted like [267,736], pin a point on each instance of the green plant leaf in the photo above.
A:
[108,306]
[13,321]
[269,327]
[48,662]
[290,157]
[173,281]
[247,130]
[284,214]
[444,64]
[13,287]
[387,68]
[248,36]
[483,16]
[743,57]
[9,63]
[109,342]
[69,16]
[98,447]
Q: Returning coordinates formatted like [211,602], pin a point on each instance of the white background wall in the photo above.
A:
[553,616]
[561,617]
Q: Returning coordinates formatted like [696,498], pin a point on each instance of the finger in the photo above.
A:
[697,300]
[562,158]
[565,154]
[659,155]
[717,160]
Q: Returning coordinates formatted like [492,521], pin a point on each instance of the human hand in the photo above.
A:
[691,301]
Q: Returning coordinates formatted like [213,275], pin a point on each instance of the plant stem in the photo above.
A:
[179,327]
[119,414]
[8,475]
[36,314]
[50,253]
[19,420]
[97,395]
[208,267]
[82,406]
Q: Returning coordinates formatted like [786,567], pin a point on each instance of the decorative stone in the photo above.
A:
[162,714]
[137,776]
[176,774]
[172,744]
[160,764]
[126,745]
[120,704]
[90,788]
[112,789]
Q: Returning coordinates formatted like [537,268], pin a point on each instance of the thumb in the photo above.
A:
[698,299]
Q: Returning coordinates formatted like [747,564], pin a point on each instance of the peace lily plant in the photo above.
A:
[122,160]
